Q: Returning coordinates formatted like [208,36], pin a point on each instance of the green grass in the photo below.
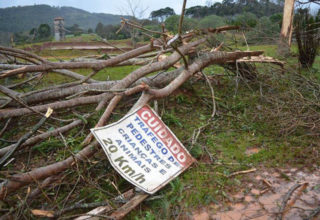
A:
[113,73]
[82,38]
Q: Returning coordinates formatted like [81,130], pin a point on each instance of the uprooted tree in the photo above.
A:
[191,49]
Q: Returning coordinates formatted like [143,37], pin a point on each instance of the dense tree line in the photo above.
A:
[110,32]
[233,7]
[42,33]
[264,15]
[24,18]
[247,13]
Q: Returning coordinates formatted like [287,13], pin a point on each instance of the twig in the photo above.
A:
[302,188]
[196,135]
[242,172]
[127,22]
[14,95]
[112,45]
[214,106]
[181,17]
[25,137]
[103,209]
[267,183]
[245,40]
[125,209]
[5,127]
[313,214]
[23,82]
[7,141]
[286,199]
[81,206]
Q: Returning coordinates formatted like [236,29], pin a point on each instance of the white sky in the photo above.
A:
[106,6]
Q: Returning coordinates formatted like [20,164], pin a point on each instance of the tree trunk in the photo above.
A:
[286,29]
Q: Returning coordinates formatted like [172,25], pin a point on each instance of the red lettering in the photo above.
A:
[159,128]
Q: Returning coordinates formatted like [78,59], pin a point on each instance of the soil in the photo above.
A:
[263,196]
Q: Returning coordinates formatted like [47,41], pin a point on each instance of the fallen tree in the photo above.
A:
[105,94]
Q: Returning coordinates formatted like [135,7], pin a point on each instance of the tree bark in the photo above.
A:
[287,28]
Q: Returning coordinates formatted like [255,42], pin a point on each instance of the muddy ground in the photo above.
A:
[263,197]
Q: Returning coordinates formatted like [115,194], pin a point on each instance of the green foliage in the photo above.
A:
[211,21]
[197,11]
[276,18]
[171,119]
[196,151]
[307,36]
[246,19]
[232,7]
[162,14]
[264,32]
[110,32]
[99,29]
[172,23]
[20,38]
[23,18]
[44,31]
[75,30]
[149,216]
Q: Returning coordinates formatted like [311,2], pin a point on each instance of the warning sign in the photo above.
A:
[143,150]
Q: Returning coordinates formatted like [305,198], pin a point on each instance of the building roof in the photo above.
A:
[59,18]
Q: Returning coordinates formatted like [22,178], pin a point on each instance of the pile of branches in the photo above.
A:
[104,95]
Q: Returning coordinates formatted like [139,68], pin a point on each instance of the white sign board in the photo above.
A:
[143,149]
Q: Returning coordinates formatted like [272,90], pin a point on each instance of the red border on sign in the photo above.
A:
[181,151]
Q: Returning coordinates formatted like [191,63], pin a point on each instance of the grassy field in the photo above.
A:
[270,114]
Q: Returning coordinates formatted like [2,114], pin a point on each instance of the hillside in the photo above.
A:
[16,19]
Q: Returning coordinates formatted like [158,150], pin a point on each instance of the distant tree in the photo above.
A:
[20,38]
[44,31]
[172,23]
[33,33]
[75,30]
[90,31]
[231,7]
[276,18]
[246,19]
[99,29]
[307,36]
[135,10]
[162,14]
[264,32]
[197,11]
[212,21]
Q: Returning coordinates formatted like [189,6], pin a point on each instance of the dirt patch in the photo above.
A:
[263,197]
[251,151]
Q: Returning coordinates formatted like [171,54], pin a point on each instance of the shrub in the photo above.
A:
[246,19]
[307,36]
[211,21]
[172,23]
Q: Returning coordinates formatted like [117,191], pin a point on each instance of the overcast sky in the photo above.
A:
[106,6]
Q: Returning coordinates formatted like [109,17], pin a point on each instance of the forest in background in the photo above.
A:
[264,15]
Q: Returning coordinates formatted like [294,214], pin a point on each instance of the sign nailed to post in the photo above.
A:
[143,149]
